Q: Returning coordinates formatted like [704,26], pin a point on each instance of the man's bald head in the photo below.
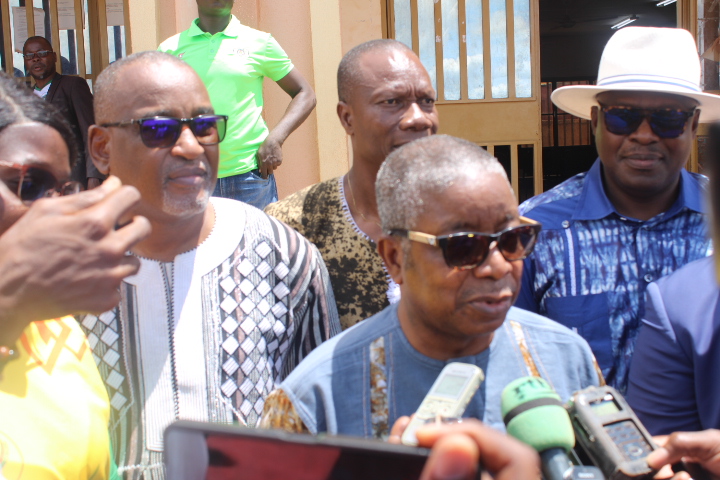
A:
[350,72]
[38,39]
[163,159]
[108,91]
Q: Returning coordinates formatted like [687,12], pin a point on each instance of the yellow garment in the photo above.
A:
[54,408]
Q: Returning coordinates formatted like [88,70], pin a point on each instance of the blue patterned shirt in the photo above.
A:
[591,265]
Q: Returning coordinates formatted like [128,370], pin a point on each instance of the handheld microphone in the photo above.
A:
[533,414]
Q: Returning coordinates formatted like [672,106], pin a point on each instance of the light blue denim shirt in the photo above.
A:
[591,265]
[332,389]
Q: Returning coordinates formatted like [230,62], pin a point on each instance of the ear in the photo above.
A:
[390,249]
[347,119]
[99,148]
[594,117]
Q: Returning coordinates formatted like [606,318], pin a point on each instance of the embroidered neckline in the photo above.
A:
[212,230]
[393,291]
[346,210]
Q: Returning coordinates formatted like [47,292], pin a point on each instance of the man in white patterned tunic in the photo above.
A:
[227,301]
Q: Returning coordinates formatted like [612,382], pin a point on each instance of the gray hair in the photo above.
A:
[107,83]
[349,71]
[425,167]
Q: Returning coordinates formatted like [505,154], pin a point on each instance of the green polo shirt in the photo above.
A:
[232,64]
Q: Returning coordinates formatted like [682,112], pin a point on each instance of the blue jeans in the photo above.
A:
[248,187]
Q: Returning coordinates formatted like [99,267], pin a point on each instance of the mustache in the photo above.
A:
[199,164]
[649,150]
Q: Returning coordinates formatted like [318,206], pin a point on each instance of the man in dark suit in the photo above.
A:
[70,94]
[671,386]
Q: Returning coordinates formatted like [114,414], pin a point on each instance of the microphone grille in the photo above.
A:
[534,414]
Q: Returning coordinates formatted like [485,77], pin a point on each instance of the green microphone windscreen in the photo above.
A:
[533,414]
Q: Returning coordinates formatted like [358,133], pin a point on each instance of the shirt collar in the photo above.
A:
[690,195]
[594,203]
[232,30]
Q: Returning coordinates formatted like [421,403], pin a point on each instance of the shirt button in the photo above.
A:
[648,278]
[565,224]
[623,219]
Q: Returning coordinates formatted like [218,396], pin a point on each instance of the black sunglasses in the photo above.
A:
[40,54]
[163,132]
[664,122]
[469,249]
[34,183]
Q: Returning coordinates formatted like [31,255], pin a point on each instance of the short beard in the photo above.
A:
[186,206]
[42,76]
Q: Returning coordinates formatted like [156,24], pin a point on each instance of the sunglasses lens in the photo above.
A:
[471,249]
[159,132]
[209,129]
[466,250]
[517,243]
[668,123]
[40,54]
[36,184]
[665,123]
[622,121]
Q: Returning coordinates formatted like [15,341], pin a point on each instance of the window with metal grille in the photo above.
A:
[474,50]
[559,128]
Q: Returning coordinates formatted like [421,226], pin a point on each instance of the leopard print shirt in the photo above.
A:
[359,280]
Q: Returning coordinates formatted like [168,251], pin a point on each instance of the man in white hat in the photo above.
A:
[637,214]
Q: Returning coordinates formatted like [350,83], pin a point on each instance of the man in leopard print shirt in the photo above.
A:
[386,100]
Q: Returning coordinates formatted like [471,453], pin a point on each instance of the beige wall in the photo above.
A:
[315,34]
[301,166]
[152,21]
[142,16]
[360,20]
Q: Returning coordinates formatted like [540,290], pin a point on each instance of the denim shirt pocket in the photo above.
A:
[588,316]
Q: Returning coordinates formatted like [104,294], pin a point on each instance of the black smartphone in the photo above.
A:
[199,451]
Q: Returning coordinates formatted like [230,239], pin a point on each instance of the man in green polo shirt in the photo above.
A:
[232,60]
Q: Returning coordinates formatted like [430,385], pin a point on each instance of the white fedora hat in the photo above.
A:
[645,59]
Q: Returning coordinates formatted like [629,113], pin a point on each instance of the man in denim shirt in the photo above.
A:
[637,214]
[458,286]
